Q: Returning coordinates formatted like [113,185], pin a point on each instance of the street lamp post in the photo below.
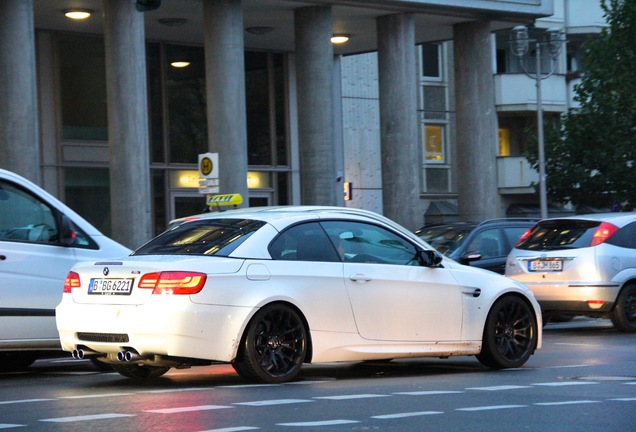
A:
[520,47]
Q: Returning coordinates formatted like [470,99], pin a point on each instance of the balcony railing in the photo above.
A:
[517,92]
[515,175]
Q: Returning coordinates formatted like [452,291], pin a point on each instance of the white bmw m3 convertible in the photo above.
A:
[269,289]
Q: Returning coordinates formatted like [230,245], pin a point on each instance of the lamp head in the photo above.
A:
[554,40]
[520,41]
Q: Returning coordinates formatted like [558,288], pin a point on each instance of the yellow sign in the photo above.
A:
[206,166]
[209,165]
[224,199]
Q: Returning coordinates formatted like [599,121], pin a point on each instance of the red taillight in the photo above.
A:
[523,236]
[72,281]
[602,233]
[173,282]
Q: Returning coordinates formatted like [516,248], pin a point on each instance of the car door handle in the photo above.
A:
[3,257]
[476,292]
[359,278]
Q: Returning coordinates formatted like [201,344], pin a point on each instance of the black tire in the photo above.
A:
[274,346]
[510,334]
[139,371]
[624,313]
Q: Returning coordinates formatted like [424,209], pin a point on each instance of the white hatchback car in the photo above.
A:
[583,265]
[40,240]
[268,289]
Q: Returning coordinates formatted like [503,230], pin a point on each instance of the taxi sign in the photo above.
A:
[224,199]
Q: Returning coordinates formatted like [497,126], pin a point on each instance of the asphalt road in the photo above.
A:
[584,379]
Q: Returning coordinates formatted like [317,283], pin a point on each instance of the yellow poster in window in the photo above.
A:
[433,144]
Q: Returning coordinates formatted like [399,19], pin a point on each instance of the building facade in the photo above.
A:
[100,114]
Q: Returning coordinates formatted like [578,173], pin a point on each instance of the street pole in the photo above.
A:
[520,42]
[543,195]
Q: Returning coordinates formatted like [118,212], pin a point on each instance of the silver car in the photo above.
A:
[582,265]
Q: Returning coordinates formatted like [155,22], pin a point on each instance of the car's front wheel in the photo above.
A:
[274,346]
[140,371]
[624,314]
[510,334]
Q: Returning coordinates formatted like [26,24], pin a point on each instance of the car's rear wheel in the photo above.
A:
[510,334]
[140,371]
[274,346]
[624,314]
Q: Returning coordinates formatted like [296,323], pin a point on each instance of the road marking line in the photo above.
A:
[24,401]
[624,399]
[319,423]
[233,429]
[86,418]
[564,383]
[187,409]
[575,344]
[274,402]
[404,415]
[566,403]
[96,396]
[492,407]
[497,388]
[565,366]
[9,426]
[346,397]
[428,393]
[178,390]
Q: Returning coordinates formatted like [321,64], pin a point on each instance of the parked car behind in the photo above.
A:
[269,289]
[485,245]
[583,265]
[40,240]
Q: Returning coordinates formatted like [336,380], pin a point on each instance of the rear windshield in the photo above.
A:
[218,237]
[559,234]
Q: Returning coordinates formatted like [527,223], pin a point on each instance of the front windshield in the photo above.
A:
[446,239]
[218,237]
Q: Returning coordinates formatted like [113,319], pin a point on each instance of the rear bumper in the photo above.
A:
[171,326]
[570,298]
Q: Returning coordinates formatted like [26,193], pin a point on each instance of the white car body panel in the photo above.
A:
[32,276]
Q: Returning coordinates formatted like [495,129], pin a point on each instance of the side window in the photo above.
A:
[489,243]
[513,234]
[367,243]
[305,242]
[624,237]
[25,218]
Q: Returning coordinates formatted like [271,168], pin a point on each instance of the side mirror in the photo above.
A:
[67,231]
[430,258]
[470,257]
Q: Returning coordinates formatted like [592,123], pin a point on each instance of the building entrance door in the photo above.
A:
[185,204]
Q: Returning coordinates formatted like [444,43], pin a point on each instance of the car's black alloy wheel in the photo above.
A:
[624,314]
[274,347]
[510,334]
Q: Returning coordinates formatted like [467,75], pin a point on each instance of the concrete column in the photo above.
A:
[127,122]
[399,142]
[225,92]
[476,122]
[314,69]
[18,100]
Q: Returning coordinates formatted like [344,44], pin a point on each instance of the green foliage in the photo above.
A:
[591,159]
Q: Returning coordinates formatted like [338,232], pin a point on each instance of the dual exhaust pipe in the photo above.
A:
[122,356]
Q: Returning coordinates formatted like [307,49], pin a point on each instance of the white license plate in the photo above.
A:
[545,265]
[110,286]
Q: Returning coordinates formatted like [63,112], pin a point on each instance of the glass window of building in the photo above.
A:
[82,87]
[186,103]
